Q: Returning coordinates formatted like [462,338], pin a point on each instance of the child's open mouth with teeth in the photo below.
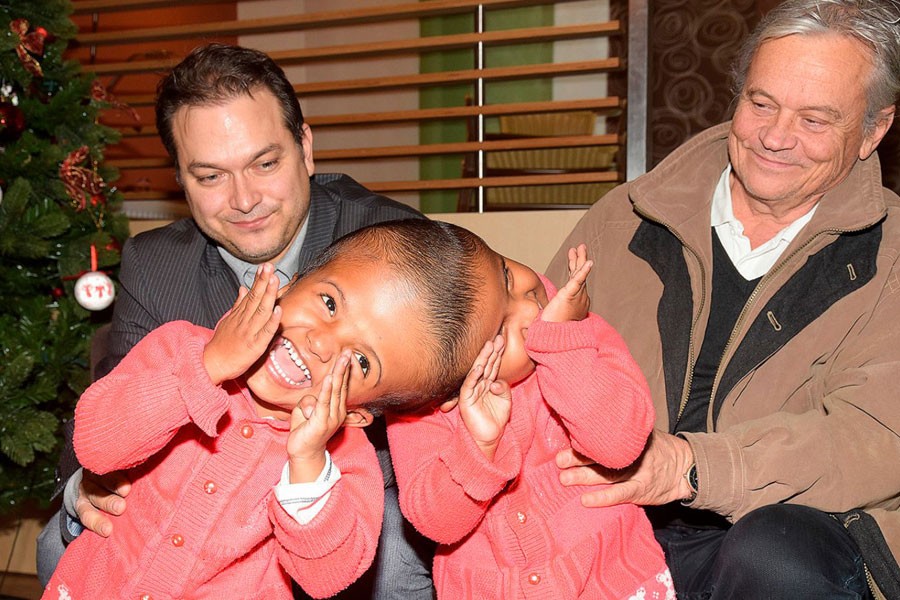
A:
[286,365]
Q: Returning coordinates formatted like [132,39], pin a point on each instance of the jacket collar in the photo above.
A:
[678,192]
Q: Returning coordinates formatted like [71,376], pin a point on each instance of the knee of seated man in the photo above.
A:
[788,536]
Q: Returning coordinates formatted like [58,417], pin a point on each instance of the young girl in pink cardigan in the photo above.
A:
[479,475]
[247,461]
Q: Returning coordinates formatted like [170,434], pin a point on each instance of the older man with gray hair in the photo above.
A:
[754,274]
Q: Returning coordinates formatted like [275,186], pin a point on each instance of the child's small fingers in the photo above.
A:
[323,401]
[265,273]
[492,369]
[341,388]
[471,380]
[499,387]
[306,407]
[271,326]
[581,252]
[577,257]
[581,274]
[269,294]
[236,305]
[486,350]
[572,256]
[478,367]
[265,294]
[260,280]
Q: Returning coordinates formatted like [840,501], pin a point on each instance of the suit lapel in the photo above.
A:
[323,217]
[218,286]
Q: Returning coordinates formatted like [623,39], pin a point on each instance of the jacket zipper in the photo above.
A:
[689,376]
[873,588]
[753,295]
[870,581]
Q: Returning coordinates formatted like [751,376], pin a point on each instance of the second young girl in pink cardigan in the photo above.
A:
[479,476]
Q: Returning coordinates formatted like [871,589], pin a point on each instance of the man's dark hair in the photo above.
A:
[217,73]
[438,261]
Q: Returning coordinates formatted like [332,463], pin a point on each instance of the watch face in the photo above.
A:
[692,478]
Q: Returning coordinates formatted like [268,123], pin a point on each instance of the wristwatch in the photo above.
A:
[691,476]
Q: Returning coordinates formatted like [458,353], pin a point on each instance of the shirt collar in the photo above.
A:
[722,213]
[285,268]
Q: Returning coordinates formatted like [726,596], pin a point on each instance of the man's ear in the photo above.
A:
[358,417]
[307,149]
[882,125]
[448,405]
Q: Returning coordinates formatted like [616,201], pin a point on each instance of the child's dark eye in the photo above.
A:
[329,303]
[363,362]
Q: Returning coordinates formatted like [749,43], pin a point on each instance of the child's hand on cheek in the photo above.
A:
[484,402]
[245,332]
[315,420]
[572,302]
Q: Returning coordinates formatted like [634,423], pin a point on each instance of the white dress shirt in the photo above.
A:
[750,263]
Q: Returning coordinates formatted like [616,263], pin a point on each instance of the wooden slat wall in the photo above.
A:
[129,43]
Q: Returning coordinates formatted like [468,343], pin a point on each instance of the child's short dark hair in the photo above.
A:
[438,259]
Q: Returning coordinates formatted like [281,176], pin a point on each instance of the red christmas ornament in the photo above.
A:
[12,122]
[29,44]
[99,93]
[58,292]
[80,180]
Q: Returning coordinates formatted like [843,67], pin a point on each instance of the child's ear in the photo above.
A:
[358,417]
[448,405]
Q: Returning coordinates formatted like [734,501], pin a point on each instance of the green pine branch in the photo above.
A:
[45,244]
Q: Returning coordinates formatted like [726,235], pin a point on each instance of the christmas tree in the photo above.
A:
[58,222]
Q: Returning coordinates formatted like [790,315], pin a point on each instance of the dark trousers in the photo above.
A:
[778,551]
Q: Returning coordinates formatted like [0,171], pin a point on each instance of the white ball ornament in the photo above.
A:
[94,290]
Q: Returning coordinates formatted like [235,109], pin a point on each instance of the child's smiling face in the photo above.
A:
[359,305]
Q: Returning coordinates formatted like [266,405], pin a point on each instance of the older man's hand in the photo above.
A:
[657,477]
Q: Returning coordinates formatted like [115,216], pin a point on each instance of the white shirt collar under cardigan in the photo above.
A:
[754,263]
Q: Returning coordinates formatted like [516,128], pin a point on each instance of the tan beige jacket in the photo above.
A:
[806,402]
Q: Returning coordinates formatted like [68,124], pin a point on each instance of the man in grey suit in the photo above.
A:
[230,120]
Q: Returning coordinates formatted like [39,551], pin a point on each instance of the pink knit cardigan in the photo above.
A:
[202,519]
[508,528]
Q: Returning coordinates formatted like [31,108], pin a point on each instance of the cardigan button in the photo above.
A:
[247,431]
[534,579]
[178,540]
[521,517]
[210,487]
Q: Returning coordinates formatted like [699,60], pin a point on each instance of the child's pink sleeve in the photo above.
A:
[333,550]
[160,386]
[589,378]
[445,482]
